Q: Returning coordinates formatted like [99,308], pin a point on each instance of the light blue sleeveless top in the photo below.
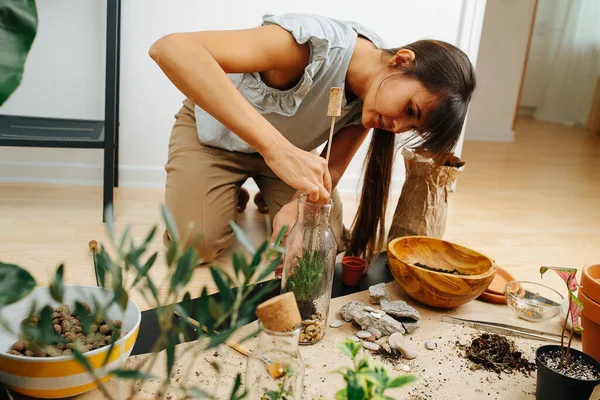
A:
[299,113]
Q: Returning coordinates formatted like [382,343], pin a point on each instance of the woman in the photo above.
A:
[257,107]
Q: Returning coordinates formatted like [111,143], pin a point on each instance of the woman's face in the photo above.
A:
[396,103]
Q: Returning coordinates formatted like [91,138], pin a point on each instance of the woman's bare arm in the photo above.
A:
[197,64]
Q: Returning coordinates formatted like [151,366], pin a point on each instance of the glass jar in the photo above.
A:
[275,369]
[310,250]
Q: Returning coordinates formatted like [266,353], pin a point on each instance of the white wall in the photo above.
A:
[501,57]
[64,75]
[544,30]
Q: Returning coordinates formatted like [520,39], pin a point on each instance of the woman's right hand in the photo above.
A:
[304,171]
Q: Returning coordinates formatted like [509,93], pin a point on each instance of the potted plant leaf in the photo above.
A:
[563,372]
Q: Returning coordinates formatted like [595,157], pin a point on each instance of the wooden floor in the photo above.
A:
[525,204]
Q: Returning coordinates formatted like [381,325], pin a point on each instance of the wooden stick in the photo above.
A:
[330,139]
[334,109]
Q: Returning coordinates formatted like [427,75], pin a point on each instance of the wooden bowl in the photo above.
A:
[473,272]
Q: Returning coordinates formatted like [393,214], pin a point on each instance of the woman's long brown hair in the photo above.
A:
[446,71]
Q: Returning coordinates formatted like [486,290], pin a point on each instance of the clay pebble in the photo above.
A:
[363,334]
[336,323]
[430,344]
[375,332]
[371,346]
[354,338]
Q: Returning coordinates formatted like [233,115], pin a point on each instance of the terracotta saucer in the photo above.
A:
[495,292]
[501,278]
[492,298]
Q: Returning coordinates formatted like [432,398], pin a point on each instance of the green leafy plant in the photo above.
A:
[18,28]
[307,274]
[282,393]
[569,276]
[365,380]
[124,265]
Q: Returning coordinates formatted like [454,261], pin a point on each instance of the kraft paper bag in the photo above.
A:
[423,205]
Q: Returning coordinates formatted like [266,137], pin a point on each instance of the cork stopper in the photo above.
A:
[280,314]
[334,108]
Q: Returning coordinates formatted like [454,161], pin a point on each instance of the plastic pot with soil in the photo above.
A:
[558,380]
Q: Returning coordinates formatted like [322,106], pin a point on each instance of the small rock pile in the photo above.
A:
[312,329]
[382,329]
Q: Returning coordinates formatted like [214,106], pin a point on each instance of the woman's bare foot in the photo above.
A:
[260,203]
[242,200]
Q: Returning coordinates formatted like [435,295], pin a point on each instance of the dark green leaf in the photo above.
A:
[355,390]
[143,271]
[342,395]
[217,339]
[18,28]
[121,297]
[349,348]
[259,253]
[241,237]
[83,316]
[101,266]
[240,259]
[57,288]
[110,349]
[131,374]
[280,236]
[236,388]
[198,393]
[402,380]
[149,237]
[226,298]
[171,342]
[214,309]
[172,251]
[15,283]
[272,395]
[124,238]
[83,361]
[270,269]
[202,310]
[170,223]
[183,273]
[153,289]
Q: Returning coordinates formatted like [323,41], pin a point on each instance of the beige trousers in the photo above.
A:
[203,183]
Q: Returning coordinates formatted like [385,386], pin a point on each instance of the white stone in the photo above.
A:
[375,332]
[402,367]
[369,309]
[382,340]
[430,344]
[396,339]
[363,334]
[354,338]
[376,315]
[371,346]
[407,351]
[336,323]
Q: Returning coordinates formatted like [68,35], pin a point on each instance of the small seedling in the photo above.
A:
[575,307]
[367,381]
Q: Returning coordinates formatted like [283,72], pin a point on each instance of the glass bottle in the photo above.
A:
[275,369]
[310,250]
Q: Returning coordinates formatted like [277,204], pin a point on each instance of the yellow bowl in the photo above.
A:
[57,377]
[437,288]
